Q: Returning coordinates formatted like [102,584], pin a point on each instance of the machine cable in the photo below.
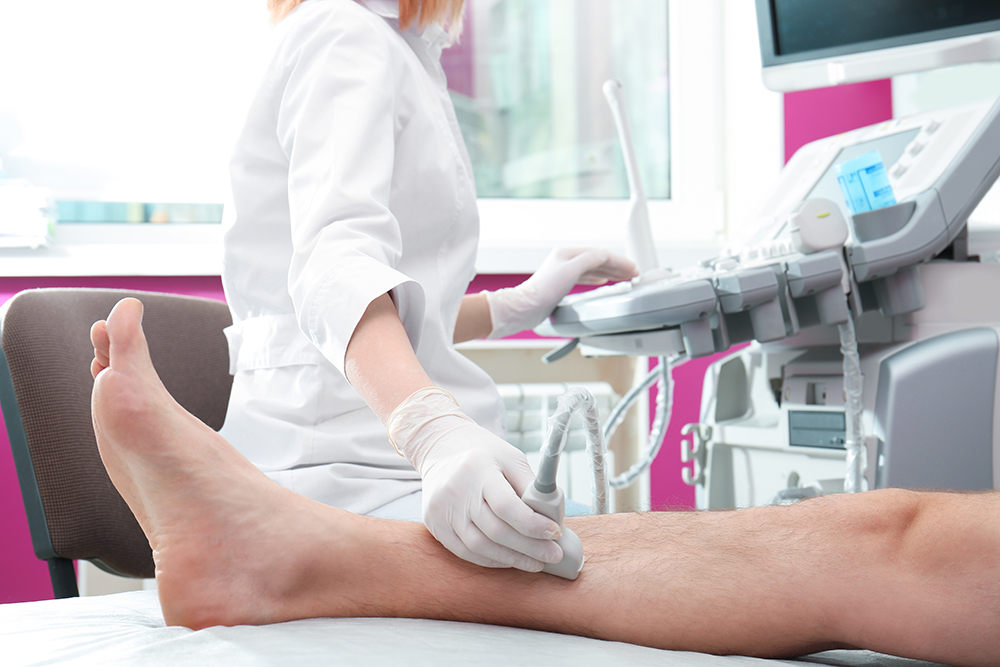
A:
[662,374]
[576,399]
[853,408]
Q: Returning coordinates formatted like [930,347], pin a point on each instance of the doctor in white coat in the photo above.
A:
[350,241]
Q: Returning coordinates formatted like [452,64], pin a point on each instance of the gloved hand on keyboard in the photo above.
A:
[526,306]
[472,485]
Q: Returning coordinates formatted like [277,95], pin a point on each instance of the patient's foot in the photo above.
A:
[230,546]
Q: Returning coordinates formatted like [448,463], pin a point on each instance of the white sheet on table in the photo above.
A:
[128,629]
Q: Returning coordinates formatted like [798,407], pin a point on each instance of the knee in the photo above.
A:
[929,533]
[876,526]
[890,511]
[955,530]
[928,563]
[886,515]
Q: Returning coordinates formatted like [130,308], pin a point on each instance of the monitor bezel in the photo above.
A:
[769,58]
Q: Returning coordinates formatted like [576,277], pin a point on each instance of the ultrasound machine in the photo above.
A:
[873,333]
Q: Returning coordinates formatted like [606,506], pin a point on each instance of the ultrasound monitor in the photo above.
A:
[812,43]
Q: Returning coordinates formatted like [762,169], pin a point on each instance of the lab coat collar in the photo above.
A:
[385,8]
[434,37]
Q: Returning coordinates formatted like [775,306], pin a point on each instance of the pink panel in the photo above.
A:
[494,281]
[667,490]
[823,112]
[491,282]
[22,576]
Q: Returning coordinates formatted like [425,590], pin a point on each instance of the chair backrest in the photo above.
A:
[74,512]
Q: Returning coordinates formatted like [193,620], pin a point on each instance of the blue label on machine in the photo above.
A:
[865,183]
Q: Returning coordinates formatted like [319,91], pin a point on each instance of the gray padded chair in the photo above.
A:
[74,512]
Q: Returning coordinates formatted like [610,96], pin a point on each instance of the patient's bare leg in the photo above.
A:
[904,573]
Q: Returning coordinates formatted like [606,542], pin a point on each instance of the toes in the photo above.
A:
[125,318]
[102,347]
[126,342]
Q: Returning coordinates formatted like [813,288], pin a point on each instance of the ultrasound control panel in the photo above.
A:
[810,262]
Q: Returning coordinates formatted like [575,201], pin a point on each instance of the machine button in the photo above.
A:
[898,170]
[932,126]
[915,147]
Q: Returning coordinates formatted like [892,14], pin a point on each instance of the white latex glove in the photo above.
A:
[472,482]
[526,306]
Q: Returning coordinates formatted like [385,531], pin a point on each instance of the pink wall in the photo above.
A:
[667,489]
[824,112]
[22,576]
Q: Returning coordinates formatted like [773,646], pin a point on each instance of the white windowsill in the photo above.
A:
[93,249]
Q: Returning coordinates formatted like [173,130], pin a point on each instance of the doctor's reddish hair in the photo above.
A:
[429,11]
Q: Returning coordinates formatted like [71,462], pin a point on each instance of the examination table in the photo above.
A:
[128,629]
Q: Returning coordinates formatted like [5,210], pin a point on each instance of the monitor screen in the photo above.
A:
[890,149]
[803,26]
[811,43]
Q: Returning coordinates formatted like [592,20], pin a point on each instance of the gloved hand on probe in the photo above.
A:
[472,483]
[523,307]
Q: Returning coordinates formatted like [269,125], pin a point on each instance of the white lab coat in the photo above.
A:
[350,180]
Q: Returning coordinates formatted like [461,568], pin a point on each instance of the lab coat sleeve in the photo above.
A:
[336,126]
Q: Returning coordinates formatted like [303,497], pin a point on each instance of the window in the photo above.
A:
[526,82]
[128,111]
[114,102]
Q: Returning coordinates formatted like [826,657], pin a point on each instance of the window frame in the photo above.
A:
[696,167]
